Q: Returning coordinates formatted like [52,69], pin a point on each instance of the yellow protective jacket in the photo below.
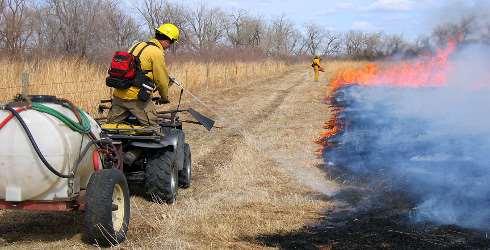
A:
[316,62]
[153,60]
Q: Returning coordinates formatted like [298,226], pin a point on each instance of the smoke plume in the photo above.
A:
[432,141]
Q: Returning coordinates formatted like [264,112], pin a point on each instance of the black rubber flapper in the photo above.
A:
[43,98]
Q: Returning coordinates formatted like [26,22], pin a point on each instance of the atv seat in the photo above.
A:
[127,129]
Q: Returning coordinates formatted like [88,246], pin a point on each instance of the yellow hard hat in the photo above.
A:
[169,30]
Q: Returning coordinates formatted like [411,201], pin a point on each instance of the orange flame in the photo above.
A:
[424,71]
[428,70]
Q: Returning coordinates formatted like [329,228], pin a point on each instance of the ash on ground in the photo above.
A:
[373,218]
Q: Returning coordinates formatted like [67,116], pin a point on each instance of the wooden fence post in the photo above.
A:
[185,78]
[236,73]
[207,75]
[24,81]
[226,77]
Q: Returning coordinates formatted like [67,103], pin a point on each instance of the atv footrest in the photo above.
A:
[138,176]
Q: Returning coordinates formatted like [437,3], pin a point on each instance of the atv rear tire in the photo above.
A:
[161,178]
[186,173]
[107,210]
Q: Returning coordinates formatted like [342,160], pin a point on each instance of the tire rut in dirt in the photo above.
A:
[223,152]
[273,106]
[220,155]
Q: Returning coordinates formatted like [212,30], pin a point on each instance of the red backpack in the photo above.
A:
[124,68]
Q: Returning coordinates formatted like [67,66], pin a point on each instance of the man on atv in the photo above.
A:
[136,100]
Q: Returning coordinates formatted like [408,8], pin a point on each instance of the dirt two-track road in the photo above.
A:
[254,175]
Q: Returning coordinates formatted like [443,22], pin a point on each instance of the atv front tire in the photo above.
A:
[161,178]
[179,150]
[186,173]
[106,208]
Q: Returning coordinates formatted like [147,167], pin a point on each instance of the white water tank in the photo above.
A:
[22,174]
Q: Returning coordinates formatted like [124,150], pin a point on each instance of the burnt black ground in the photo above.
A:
[367,217]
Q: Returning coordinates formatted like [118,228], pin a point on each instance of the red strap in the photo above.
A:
[9,117]
[96,160]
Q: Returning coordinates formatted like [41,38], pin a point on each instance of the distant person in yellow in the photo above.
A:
[317,67]
[138,100]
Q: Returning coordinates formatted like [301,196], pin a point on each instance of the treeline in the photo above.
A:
[94,28]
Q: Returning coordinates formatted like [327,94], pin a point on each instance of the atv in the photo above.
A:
[159,161]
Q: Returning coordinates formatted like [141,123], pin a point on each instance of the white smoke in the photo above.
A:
[433,143]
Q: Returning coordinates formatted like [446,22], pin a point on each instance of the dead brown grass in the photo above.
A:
[258,175]
[84,83]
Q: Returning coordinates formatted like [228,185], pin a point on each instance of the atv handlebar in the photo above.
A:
[200,118]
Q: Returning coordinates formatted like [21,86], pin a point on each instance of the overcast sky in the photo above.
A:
[408,17]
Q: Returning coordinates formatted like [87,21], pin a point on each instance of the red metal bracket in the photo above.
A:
[72,205]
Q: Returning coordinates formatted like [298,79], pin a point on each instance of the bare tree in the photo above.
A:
[151,12]
[235,29]
[460,31]
[255,31]
[373,46]
[122,29]
[157,12]
[2,8]
[243,30]
[314,38]
[15,26]
[354,43]
[206,27]
[331,44]
[89,28]
[393,45]
[282,38]
[363,45]
[72,25]
[94,28]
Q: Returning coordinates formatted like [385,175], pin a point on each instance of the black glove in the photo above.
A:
[171,80]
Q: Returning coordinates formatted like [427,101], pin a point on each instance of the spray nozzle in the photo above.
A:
[173,80]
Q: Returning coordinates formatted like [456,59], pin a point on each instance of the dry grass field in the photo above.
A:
[255,175]
[84,83]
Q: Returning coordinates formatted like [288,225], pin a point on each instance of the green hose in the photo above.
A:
[83,127]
